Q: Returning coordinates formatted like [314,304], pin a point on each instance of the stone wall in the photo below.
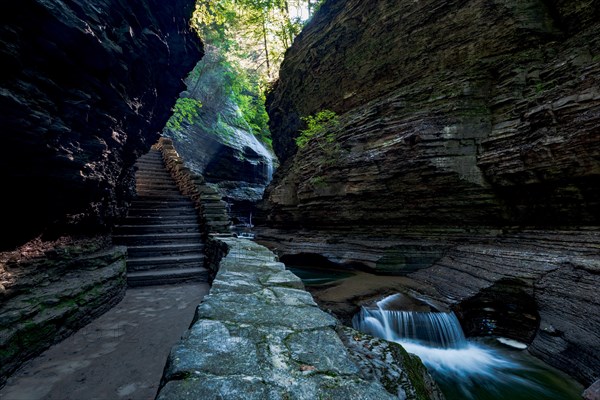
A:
[212,211]
[259,335]
[45,299]
[86,87]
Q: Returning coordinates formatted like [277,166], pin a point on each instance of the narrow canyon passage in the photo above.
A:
[120,355]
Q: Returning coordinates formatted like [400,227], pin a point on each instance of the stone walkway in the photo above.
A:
[259,335]
[119,356]
[161,231]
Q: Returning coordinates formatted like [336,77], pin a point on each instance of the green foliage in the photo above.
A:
[185,109]
[246,90]
[322,127]
[252,36]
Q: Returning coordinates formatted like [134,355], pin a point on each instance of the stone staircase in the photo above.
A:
[161,231]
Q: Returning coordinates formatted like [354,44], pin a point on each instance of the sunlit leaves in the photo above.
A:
[185,109]
[322,127]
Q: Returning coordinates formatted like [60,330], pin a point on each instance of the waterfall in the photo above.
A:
[269,172]
[465,369]
[433,329]
[436,337]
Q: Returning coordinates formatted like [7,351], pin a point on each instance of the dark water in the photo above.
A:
[314,276]
[497,372]
[466,368]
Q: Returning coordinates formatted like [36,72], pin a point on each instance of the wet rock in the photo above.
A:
[399,371]
[219,144]
[593,392]
[265,340]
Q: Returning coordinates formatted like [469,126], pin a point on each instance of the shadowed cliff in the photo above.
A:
[476,112]
[86,88]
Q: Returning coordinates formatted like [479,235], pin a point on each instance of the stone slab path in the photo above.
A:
[119,356]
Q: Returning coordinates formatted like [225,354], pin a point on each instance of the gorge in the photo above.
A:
[466,157]
[462,176]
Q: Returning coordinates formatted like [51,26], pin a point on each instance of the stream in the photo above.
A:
[478,369]
[465,368]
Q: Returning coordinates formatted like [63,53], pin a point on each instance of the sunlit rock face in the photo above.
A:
[86,88]
[461,123]
[477,112]
[219,143]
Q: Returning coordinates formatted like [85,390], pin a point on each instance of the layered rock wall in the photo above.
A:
[45,299]
[86,88]
[476,112]
[219,144]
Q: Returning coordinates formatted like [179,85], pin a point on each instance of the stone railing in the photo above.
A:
[212,210]
[260,335]
[53,296]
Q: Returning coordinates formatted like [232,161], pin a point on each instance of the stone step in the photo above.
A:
[162,212]
[161,219]
[168,184]
[146,160]
[152,152]
[151,168]
[169,276]
[152,172]
[159,207]
[149,164]
[153,177]
[154,238]
[157,229]
[159,193]
[161,250]
[150,158]
[162,197]
[166,180]
[157,187]
[156,202]
[177,261]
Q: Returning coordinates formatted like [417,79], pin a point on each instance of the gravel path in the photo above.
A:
[119,356]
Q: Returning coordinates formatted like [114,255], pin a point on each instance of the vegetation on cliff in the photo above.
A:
[249,39]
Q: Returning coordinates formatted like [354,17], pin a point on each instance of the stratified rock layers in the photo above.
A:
[476,112]
[458,119]
[86,88]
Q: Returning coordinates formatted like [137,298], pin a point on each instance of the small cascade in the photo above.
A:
[435,329]
[269,172]
[465,369]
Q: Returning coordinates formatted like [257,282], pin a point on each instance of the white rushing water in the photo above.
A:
[472,370]
[436,337]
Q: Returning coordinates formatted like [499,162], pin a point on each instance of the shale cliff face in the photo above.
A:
[86,88]
[476,112]
[219,143]
[461,122]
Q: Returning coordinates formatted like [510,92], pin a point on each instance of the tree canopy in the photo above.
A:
[251,37]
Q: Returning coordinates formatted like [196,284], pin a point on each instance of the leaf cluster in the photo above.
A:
[321,126]
[185,109]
